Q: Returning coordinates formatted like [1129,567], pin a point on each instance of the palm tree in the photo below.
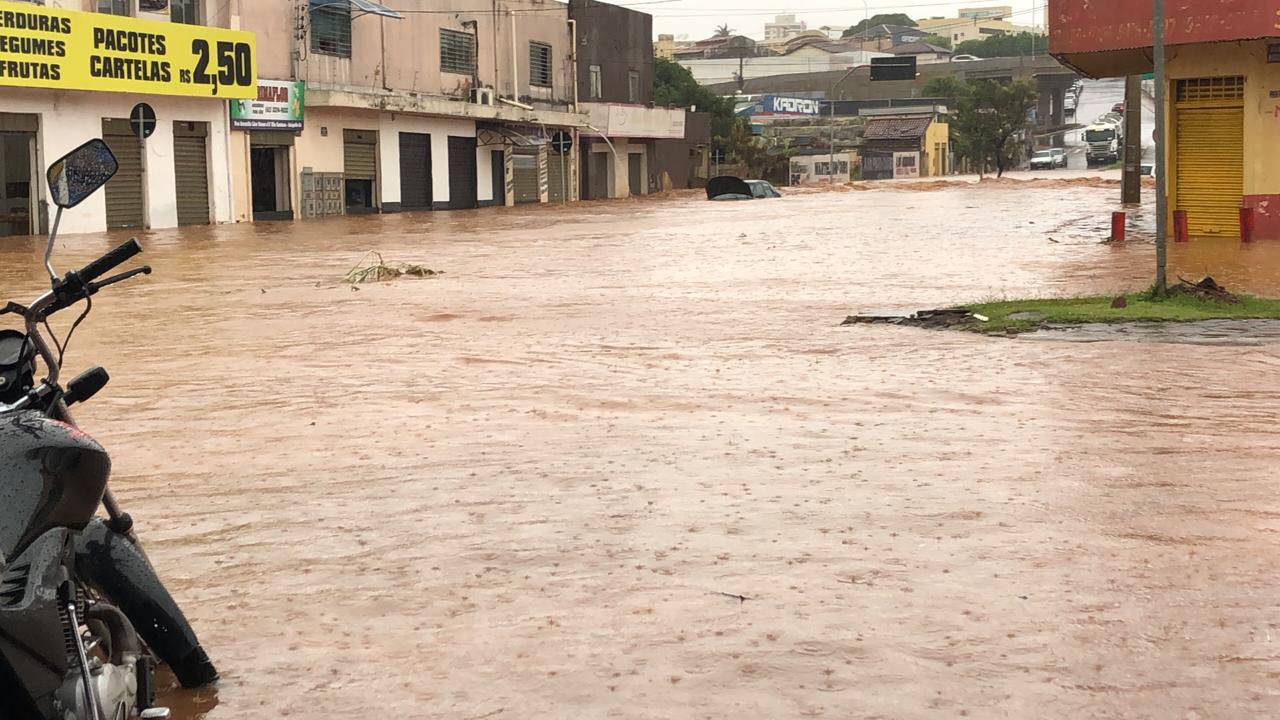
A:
[724,31]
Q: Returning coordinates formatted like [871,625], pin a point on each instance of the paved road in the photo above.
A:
[1098,98]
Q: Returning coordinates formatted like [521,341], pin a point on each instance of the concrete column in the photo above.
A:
[1131,181]
[508,173]
[544,180]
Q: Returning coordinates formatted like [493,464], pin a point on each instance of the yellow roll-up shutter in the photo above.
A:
[1209,154]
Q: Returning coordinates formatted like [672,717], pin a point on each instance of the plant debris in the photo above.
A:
[1207,290]
[369,271]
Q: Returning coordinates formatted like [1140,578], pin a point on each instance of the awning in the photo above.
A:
[503,135]
[358,7]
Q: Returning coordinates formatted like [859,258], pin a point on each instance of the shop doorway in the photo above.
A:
[19,213]
[415,171]
[269,175]
[1208,172]
[462,173]
[498,174]
[191,171]
[360,164]
[126,204]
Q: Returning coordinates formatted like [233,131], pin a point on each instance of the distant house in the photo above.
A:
[884,37]
[924,52]
[906,145]
[964,29]
[734,46]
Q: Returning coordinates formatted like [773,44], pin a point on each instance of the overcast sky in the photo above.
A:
[698,19]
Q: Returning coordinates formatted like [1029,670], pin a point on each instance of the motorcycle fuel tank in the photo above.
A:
[51,475]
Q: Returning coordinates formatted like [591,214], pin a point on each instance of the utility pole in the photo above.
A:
[831,99]
[1162,201]
[1131,186]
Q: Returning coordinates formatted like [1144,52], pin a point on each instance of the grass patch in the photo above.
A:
[1138,307]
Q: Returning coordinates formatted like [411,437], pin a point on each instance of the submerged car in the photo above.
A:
[728,187]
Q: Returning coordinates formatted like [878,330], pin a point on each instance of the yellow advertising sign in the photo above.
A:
[67,50]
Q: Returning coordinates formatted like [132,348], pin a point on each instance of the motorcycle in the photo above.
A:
[84,618]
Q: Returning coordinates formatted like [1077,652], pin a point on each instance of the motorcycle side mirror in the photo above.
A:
[81,172]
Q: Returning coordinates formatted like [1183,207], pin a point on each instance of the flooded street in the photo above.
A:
[621,461]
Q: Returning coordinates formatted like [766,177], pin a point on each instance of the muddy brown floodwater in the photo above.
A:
[532,487]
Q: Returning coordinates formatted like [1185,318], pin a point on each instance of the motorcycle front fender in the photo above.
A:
[116,566]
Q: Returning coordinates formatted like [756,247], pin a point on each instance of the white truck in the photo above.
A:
[1104,140]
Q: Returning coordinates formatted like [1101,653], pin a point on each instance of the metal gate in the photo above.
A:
[124,193]
[598,174]
[1209,154]
[877,165]
[360,154]
[191,171]
[498,172]
[525,171]
[635,173]
[415,171]
[462,173]
[557,177]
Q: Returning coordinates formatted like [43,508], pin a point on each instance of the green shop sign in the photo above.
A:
[279,106]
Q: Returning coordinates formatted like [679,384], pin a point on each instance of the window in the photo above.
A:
[115,7]
[1210,89]
[539,64]
[596,91]
[633,86]
[457,52]
[331,31]
[186,12]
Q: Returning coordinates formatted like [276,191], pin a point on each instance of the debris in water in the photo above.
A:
[932,319]
[365,271]
[1207,289]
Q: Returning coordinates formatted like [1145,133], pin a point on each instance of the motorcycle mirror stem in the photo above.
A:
[48,250]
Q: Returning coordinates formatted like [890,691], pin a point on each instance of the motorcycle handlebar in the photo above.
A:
[79,285]
[110,261]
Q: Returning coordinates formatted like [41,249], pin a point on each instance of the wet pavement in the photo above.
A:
[621,461]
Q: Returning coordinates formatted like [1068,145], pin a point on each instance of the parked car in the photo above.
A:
[1049,159]
[964,58]
[728,187]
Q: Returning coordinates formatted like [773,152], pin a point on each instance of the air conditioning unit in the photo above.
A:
[482,96]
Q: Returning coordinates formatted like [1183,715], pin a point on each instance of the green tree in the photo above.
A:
[744,148]
[723,31]
[1019,45]
[987,118]
[674,86]
[881,19]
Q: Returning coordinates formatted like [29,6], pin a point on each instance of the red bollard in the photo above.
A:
[1117,227]
[1247,220]
[1180,232]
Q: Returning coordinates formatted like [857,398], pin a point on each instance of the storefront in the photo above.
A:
[76,81]
[263,131]
[19,212]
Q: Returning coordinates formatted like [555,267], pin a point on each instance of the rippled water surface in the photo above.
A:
[621,461]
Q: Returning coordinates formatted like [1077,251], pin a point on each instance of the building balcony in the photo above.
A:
[1114,38]
[436,105]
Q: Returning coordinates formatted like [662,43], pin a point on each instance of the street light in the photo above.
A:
[831,100]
